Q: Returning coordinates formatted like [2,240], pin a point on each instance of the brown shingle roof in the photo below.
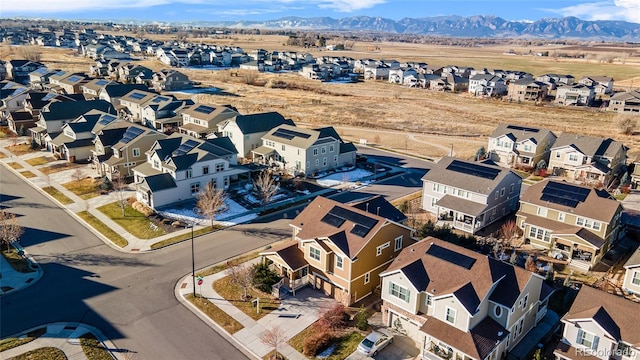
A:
[624,313]
[594,207]
[569,352]
[289,253]
[478,184]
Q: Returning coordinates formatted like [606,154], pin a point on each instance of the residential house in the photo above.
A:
[487,85]
[469,195]
[600,326]
[91,89]
[170,80]
[527,90]
[602,85]
[458,304]
[398,75]
[340,249]
[200,120]
[75,141]
[586,159]
[579,95]
[136,100]
[511,145]
[40,77]
[246,131]
[108,132]
[304,151]
[631,282]
[66,81]
[376,72]
[12,98]
[315,72]
[555,80]
[577,222]
[18,70]
[128,72]
[165,116]
[625,102]
[113,92]
[127,150]
[179,166]
[19,121]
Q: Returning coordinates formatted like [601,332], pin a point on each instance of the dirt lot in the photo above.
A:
[414,120]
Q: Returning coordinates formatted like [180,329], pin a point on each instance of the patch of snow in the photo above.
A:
[341,177]
[188,215]
[209,90]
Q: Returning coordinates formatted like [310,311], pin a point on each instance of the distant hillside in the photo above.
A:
[472,26]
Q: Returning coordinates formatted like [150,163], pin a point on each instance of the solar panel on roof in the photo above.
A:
[333,220]
[137,95]
[290,134]
[522,128]
[360,230]
[130,134]
[74,78]
[185,147]
[564,194]
[158,99]
[102,82]
[478,170]
[451,256]
[204,109]
[106,119]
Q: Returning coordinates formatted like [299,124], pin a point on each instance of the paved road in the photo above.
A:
[127,296]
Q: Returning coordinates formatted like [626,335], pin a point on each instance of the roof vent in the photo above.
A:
[500,333]
[412,250]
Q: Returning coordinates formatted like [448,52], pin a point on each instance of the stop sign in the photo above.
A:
[200,281]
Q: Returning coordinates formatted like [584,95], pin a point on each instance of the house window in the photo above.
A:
[156,164]
[580,221]
[317,162]
[451,316]
[501,192]
[367,277]
[283,147]
[596,225]
[527,147]
[226,181]
[588,223]
[205,170]
[335,159]
[573,157]
[496,197]
[324,149]
[136,152]
[219,167]
[314,253]
[560,216]
[324,161]
[397,244]
[399,292]
[635,280]
[542,211]
[525,299]
[381,247]
[429,300]
[188,173]
[339,262]
[315,152]
[330,148]
[587,339]
[195,188]
[511,188]
[558,154]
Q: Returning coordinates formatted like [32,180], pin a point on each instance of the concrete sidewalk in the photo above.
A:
[294,315]
[64,336]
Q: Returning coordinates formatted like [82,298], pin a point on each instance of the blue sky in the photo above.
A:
[165,10]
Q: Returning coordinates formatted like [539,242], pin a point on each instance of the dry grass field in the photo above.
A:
[415,120]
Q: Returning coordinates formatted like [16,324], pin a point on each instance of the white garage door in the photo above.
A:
[404,326]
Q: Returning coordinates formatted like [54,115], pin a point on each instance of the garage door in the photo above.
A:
[404,326]
[324,285]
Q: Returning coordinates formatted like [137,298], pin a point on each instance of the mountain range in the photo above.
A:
[456,26]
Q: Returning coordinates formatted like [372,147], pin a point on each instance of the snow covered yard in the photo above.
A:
[342,177]
[187,214]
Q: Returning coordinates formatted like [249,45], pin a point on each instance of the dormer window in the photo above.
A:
[497,311]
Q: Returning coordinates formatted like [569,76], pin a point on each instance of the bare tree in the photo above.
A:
[274,338]
[78,175]
[626,123]
[10,229]
[265,187]
[508,231]
[241,275]
[31,53]
[119,187]
[211,201]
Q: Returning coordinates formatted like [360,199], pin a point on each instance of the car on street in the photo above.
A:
[374,342]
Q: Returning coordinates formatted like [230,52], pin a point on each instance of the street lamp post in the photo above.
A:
[193,262]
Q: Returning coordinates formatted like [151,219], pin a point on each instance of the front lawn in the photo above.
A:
[93,348]
[233,293]
[103,229]
[43,353]
[216,314]
[10,343]
[15,165]
[346,343]
[20,149]
[17,262]
[56,194]
[58,167]
[28,174]
[40,160]
[134,222]
[86,188]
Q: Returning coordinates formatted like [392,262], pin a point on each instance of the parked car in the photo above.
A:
[374,342]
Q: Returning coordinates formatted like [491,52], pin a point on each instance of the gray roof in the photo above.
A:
[634,260]
[159,182]
[520,133]
[261,122]
[462,205]
[626,96]
[589,145]
[439,174]
[70,110]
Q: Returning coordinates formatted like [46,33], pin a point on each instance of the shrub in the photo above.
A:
[106,184]
[264,278]
[33,145]
[334,318]
[361,319]
[315,343]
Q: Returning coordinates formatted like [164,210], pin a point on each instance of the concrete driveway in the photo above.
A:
[402,348]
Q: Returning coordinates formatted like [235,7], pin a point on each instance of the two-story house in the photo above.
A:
[177,167]
[113,92]
[246,131]
[487,85]
[458,304]
[600,326]
[510,145]
[625,102]
[75,142]
[469,195]
[137,100]
[202,120]
[341,249]
[18,70]
[578,94]
[304,151]
[586,159]
[170,80]
[602,85]
[91,89]
[578,222]
[631,282]
[527,90]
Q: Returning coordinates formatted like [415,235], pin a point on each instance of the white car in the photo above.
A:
[374,342]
